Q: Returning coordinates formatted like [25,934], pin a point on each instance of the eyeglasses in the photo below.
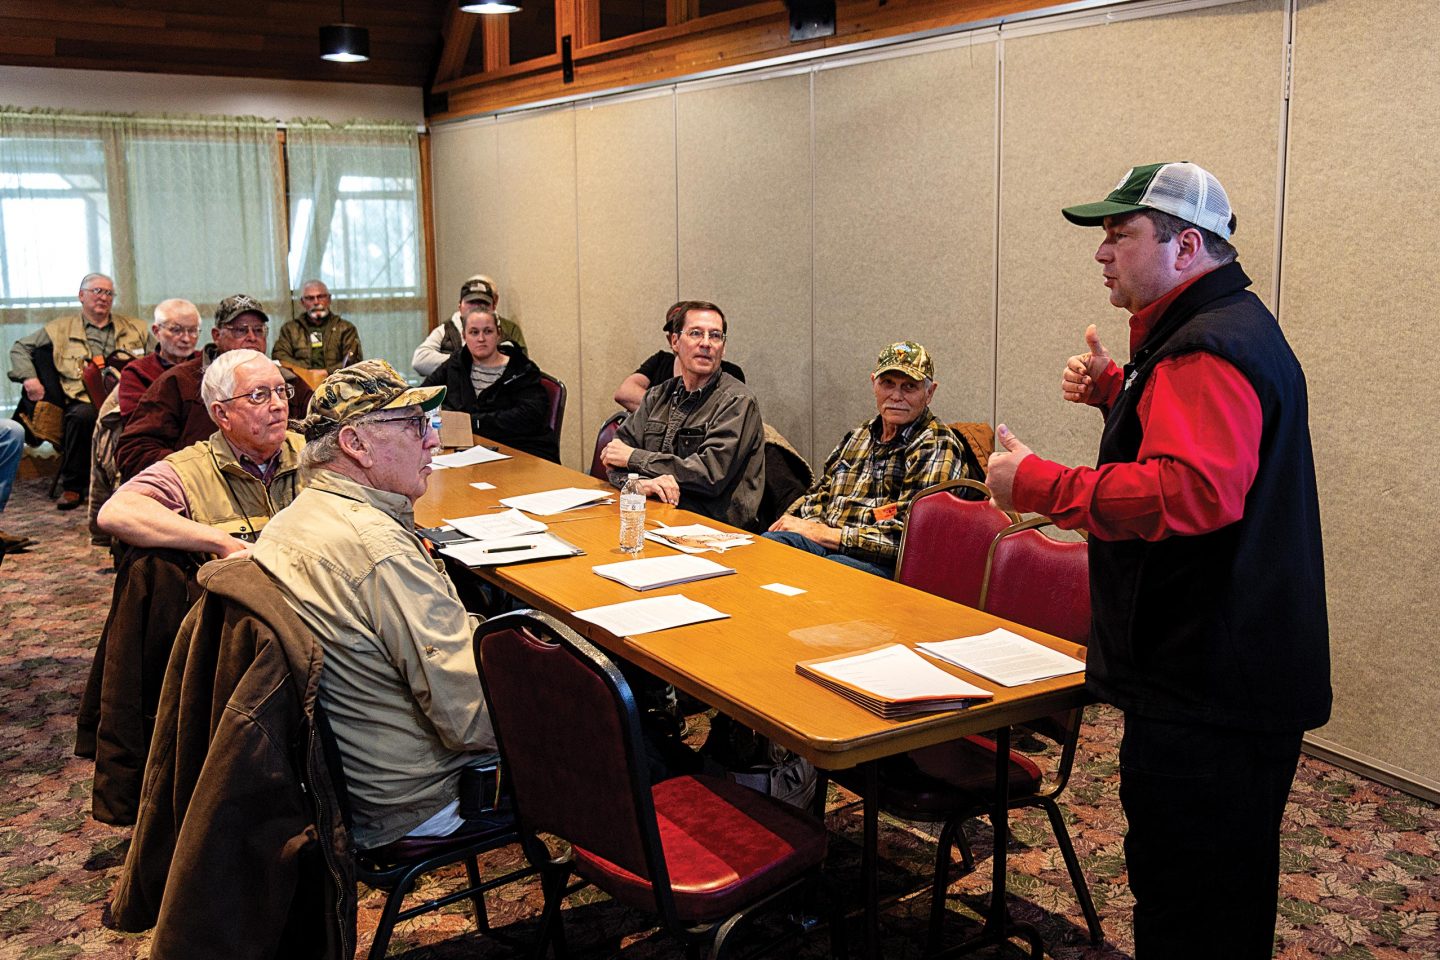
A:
[258,330]
[696,335]
[175,330]
[314,297]
[419,423]
[262,394]
[99,292]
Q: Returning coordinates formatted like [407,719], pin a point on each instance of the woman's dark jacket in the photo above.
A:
[513,410]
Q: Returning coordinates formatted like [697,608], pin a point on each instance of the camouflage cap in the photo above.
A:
[478,287]
[359,389]
[231,308]
[907,357]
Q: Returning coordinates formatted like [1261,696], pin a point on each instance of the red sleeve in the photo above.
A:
[154,429]
[1106,389]
[1202,424]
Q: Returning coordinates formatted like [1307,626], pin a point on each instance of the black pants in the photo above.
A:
[75,457]
[1203,849]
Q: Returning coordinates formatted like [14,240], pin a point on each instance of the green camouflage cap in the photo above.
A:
[907,357]
[232,308]
[362,388]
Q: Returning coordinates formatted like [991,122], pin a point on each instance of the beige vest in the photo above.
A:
[71,350]
[223,495]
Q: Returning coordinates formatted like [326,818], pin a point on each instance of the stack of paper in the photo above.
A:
[661,571]
[698,538]
[549,502]
[493,553]
[646,616]
[893,681]
[466,458]
[1005,657]
[490,526]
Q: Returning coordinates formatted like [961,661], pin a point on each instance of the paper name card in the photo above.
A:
[1007,658]
[468,458]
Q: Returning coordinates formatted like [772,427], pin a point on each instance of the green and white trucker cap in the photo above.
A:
[1184,190]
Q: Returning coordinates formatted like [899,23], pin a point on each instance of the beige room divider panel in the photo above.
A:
[744,205]
[465,169]
[905,228]
[625,168]
[1082,106]
[534,217]
[1359,293]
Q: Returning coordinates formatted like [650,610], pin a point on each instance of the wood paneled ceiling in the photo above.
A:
[237,38]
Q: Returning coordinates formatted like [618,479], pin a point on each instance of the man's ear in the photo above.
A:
[219,415]
[354,446]
[1189,249]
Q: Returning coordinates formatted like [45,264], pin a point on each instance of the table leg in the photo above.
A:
[999,927]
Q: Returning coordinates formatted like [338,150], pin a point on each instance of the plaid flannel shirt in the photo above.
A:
[863,473]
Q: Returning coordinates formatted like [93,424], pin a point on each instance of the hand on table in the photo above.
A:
[663,488]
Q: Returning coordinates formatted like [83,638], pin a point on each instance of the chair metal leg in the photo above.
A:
[472,876]
[941,884]
[1072,863]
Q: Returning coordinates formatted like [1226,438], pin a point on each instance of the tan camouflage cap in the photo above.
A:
[359,389]
[907,357]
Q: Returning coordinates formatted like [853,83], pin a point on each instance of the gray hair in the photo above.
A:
[174,303]
[325,449]
[219,382]
[90,278]
[313,283]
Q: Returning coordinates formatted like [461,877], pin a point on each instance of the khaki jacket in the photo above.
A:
[67,337]
[223,495]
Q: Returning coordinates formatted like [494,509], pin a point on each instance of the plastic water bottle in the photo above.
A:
[632,515]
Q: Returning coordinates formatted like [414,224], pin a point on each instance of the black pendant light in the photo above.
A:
[344,42]
[490,6]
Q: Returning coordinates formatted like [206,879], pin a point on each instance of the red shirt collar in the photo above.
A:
[1143,320]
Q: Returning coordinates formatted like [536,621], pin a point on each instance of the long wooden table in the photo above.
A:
[745,665]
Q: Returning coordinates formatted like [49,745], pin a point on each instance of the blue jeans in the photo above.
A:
[792,539]
[12,444]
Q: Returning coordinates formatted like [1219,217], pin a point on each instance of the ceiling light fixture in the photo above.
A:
[344,42]
[490,6]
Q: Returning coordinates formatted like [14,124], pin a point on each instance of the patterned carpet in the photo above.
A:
[1361,862]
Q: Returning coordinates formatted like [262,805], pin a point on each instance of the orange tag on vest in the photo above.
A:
[886,512]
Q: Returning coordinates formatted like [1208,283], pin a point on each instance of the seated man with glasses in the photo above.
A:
[399,684]
[68,342]
[177,334]
[215,496]
[317,339]
[696,439]
[171,415]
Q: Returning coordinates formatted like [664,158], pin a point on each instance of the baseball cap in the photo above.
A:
[478,288]
[359,389]
[907,357]
[232,307]
[1184,190]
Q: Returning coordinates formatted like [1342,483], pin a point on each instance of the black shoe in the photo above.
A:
[13,544]
[69,500]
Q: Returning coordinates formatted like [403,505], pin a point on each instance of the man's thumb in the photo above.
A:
[1008,439]
[1092,339]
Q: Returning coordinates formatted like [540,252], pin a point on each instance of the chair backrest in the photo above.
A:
[1039,581]
[555,391]
[569,735]
[97,385]
[606,434]
[947,540]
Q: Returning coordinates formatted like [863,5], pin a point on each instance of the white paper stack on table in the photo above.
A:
[1007,658]
[549,502]
[508,537]
[656,572]
[892,681]
[698,538]
[649,615]
[467,458]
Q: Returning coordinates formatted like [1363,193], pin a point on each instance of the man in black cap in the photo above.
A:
[476,293]
[1207,576]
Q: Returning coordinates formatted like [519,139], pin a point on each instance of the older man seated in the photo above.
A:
[854,512]
[215,496]
[399,685]
[697,439]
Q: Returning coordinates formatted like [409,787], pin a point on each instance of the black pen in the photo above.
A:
[526,546]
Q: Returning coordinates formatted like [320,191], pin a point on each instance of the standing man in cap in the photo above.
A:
[74,339]
[854,512]
[1206,572]
[696,440]
[171,415]
[476,293]
[399,685]
[317,339]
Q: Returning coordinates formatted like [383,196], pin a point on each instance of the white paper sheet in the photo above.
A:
[493,553]
[1005,657]
[490,526]
[896,672]
[697,538]
[785,590]
[649,615]
[664,571]
[466,458]
[549,502]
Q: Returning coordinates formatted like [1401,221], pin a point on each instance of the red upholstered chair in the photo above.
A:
[1043,583]
[606,434]
[699,852]
[555,391]
[948,533]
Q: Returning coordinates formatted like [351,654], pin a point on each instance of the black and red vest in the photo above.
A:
[1229,627]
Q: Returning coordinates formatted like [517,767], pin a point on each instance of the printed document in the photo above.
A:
[549,502]
[489,526]
[1005,657]
[468,458]
[634,617]
[666,571]
[493,553]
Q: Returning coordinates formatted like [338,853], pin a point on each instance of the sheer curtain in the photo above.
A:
[168,206]
[355,224]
